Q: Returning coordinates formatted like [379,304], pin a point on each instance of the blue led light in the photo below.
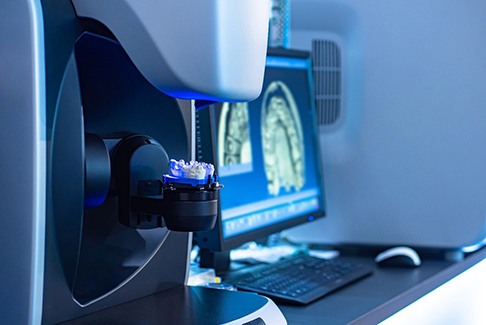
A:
[94,201]
[290,63]
[187,181]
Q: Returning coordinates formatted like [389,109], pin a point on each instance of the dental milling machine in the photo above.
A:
[97,98]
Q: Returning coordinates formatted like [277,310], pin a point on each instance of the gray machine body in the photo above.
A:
[63,260]
[22,162]
[404,161]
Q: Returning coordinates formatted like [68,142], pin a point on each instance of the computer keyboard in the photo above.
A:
[300,279]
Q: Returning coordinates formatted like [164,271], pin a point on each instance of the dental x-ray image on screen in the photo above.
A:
[267,156]
[282,140]
[234,143]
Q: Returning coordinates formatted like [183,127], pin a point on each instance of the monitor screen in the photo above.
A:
[265,153]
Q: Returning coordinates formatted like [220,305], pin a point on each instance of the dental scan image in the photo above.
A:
[282,140]
[266,151]
[234,143]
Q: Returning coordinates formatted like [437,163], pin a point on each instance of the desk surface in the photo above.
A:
[368,301]
[380,295]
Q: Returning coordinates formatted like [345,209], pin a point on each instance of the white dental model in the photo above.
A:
[192,169]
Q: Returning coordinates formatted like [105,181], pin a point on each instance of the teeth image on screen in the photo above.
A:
[282,141]
[234,144]
[266,155]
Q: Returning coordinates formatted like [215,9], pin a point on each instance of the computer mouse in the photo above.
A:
[401,256]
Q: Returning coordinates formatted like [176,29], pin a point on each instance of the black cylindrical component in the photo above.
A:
[137,158]
[190,209]
[97,171]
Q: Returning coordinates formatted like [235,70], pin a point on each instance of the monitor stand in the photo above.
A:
[219,261]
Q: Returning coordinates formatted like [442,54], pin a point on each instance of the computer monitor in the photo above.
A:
[266,155]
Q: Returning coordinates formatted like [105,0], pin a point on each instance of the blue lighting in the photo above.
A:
[290,63]
[93,201]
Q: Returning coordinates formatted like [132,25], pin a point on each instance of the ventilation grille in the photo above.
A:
[326,60]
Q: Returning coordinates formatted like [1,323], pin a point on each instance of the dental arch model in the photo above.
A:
[191,170]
